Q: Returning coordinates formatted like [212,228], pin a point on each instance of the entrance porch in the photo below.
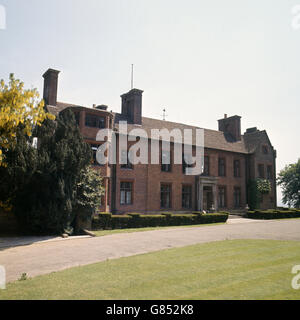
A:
[207,198]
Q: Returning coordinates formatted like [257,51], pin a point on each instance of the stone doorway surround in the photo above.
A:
[206,182]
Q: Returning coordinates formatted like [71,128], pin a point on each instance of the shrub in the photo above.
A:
[167,214]
[121,222]
[214,218]
[102,221]
[184,219]
[108,221]
[134,215]
[273,214]
[198,213]
[135,221]
[152,221]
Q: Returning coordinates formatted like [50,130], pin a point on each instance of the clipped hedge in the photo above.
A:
[273,214]
[120,222]
[107,221]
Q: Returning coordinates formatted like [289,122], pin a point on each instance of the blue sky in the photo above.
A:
[199,59]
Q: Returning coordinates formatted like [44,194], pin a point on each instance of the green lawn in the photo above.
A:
[101,233]
[240,269]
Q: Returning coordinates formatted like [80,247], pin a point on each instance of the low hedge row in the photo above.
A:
[104,221]
[273,214]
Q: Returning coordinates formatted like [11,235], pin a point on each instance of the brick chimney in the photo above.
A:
[231,126]
[132,106]
[50,86]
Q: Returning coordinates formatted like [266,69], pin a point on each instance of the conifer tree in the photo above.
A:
[43,183]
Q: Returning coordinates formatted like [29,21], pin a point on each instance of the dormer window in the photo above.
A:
[94,121]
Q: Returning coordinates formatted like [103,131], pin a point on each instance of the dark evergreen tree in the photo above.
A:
[21,165]
[63,155]
[43,182]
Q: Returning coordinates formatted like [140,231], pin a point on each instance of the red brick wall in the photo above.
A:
[229,181]
[147,179]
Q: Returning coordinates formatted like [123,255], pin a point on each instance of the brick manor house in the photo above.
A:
[231,161]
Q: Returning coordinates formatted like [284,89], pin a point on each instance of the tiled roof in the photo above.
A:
[61,106]
[254,139]
[212,139]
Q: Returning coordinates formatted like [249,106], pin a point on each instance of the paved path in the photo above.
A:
[25,241]
[42,258]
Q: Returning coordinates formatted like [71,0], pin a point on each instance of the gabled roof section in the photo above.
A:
[255,139]
[62,106]
[59,107]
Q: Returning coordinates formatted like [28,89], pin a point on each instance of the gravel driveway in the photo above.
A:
[46,257]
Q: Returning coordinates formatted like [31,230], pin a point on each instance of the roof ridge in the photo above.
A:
[179,123]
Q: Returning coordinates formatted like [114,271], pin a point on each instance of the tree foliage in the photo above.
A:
[21,160]
[18,107]
[44,183]
[89,193]
[253,195]
[89,190]
[289,180]
[256,189]
[263,186]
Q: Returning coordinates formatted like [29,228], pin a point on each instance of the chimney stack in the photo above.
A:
[50,86]
[231,126]
[132,106]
